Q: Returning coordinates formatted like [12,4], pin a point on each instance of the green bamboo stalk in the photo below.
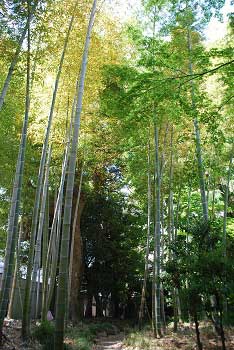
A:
[15,282]
[170,218]
[157,239]
[45,246]
[62,289]
[16,56]
[26,311]
[143,292]
[226,195]
[73,238]
[15,201]
[37,256]
[52,259]
[197,135]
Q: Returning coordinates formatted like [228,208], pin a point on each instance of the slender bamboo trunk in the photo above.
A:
[45,249]
[15,282]
[163,151]
[226,195]
[157,237]
[26,313]
[143,292]
[35,62]
[73,240]
[162,298]
[51,268]
[62,289]
[37,256]
[188,211]
[197,135]
[15,202]
[16,56]
[177,305]
[171,226]
[213,202]
[207,188]
[177,211]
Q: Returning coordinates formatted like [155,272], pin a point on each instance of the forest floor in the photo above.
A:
[184,339]
[107,336]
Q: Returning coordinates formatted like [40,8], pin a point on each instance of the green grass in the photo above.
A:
[82,336]
[44,333]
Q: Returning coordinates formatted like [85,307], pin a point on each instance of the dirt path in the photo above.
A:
[112,342]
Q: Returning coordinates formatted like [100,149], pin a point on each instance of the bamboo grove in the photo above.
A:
[116,164]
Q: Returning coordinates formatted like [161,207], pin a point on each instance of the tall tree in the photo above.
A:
[26,313]
[64,253]
[16,55]
[16,197]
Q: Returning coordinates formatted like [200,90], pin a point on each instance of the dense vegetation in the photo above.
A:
[117,149]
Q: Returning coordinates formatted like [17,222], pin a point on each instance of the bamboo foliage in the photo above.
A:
[16,55]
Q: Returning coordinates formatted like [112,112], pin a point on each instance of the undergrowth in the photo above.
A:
[139,340]
[80,337]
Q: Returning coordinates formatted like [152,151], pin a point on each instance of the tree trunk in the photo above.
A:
[76,265]
[16,275]
[44,253]
[51,268]
[62,289]
[15,201]
[157,238]
[16,55]
[197,135]
[143,293]
[37,257]
[199,344]
[226,195]
[26,313]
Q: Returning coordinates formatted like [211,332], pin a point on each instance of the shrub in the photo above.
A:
[44,333]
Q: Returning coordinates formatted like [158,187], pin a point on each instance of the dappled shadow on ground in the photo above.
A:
[109,343]
[184,339]
[13,340]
